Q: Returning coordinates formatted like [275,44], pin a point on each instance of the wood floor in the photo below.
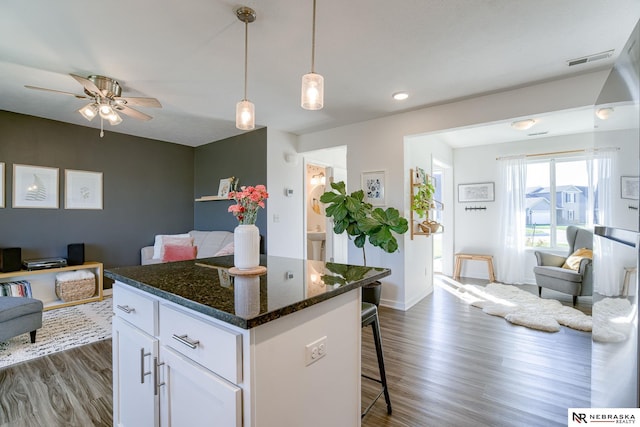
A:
[448,364]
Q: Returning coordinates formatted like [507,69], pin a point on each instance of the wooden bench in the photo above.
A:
[474,257]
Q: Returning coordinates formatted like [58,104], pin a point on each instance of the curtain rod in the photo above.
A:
[554,153]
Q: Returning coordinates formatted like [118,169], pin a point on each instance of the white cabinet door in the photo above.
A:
[134,402]
[194,396]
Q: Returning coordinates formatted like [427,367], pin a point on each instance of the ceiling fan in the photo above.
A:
[106,102]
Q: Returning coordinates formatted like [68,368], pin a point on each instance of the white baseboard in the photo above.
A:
[397,305]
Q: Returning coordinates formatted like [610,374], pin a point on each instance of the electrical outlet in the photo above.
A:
[315,351]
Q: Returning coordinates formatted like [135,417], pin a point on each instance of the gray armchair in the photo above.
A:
[550,274]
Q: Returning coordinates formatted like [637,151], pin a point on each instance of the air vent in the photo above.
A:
[591,58]
[538,133]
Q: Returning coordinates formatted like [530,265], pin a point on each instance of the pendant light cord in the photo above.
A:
[313,39]
[246,48]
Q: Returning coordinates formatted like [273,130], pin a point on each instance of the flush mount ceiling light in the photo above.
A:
[523,124]
[106,100]
[604,113]
[312,95]
[400,96]
[245,110]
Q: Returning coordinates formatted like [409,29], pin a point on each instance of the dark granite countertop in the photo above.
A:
[205,285]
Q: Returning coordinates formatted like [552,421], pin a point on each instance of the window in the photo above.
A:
[556,197]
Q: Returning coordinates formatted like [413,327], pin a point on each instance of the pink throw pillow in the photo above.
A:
[179,253]
[227,250]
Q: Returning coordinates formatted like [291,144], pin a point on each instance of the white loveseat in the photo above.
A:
[209,243]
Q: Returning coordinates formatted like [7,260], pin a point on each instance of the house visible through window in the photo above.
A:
[556,196]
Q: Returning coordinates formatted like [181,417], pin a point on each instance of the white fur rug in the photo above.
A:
[613,319]
[524,308]
[62,329]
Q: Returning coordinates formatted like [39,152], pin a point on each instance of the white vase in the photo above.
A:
[246,247]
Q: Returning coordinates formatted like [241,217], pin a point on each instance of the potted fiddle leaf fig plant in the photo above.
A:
[353,215]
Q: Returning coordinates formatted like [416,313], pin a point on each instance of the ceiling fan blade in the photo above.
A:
[141,102]
[133,113]
[55,91]
[88,84]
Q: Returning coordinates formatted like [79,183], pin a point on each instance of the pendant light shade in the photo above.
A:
[312,91]
[312,95]
[245,115]
[245,110]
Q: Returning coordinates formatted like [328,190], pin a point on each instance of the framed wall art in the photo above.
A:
[83,189]
[373,184]
[1,185]
[480,192]
[629,187]
[35,187]
[226,185]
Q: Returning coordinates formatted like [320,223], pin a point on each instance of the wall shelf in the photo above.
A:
[211,198]
[414,226]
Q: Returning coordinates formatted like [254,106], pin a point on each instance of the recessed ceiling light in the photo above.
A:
[604,113]
[523,124]
[399,96]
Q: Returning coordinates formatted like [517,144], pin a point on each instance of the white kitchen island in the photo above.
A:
[193,346]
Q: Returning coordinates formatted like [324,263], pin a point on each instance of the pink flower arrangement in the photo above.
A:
[248,200]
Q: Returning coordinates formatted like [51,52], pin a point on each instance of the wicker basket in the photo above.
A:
[70,287]
[429,226]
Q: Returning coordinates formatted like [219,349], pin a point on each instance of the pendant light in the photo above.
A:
[245,110]
[312,97]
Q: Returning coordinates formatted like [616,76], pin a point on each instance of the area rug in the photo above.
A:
[613,319]
[524,308]
[62,329]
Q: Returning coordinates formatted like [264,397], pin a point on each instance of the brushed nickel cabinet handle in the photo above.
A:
[156,382]
[142,372]
[184,339]
[126,308]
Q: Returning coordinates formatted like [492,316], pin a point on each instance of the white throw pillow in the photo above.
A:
[227,250]
[173,239]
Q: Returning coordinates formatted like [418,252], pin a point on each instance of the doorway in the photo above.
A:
[321,167]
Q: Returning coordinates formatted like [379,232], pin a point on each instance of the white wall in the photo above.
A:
[378,144]
[286,214]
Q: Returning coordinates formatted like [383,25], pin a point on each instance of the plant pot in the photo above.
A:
[371,293]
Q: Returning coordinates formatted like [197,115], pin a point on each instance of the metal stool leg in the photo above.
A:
[375,326]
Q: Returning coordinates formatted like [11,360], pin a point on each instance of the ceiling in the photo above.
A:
[190,56]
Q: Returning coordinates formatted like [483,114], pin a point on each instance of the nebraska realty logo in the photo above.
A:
[602,416]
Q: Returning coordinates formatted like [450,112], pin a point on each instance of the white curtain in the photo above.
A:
[512,183]
[600,168]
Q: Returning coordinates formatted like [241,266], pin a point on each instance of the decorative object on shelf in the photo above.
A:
[246,236]
[373,184]
[226,185]
[83,189]
[35,187]
[629,187]
[420,176]
[312,95]
[245,110]
[360,220]
[480,192]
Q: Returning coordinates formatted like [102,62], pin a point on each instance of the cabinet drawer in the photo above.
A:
[216,348]
[135,308]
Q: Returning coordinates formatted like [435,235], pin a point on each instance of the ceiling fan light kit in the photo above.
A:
[106,102]
[245,110]
[312,94]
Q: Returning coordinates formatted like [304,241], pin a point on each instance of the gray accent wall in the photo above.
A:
[147,188]
[244,157]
